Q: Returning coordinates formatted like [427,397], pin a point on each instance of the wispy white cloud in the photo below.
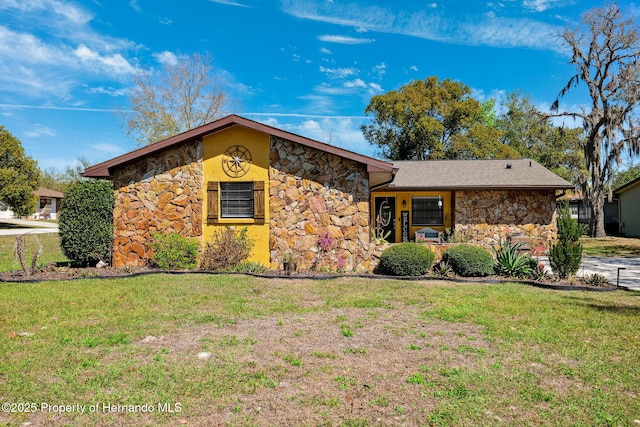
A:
[113,64]
[56,50]
[229,3]
[341,131]
[66,11]
[343,39]
[438,24]
[339,72]
[542,5]
[166,58]
[39,130]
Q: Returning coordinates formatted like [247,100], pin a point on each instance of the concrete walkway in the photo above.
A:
[608,267]
[42,227]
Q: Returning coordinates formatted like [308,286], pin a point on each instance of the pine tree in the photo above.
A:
[565,256]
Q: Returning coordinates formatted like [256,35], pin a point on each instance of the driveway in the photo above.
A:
[608,267]
[23,226]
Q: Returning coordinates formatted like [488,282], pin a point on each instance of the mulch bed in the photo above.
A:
[68,273]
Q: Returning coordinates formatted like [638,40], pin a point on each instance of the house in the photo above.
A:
[483,201]
[628,197]
[288,190]
[48,205]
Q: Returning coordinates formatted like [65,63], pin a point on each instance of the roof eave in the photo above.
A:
[476,188]
[105,169]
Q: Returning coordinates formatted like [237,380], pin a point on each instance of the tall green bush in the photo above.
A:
[406,259]
[468,260]
[565,256]
[86,222]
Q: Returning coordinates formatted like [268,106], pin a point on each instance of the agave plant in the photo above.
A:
[510,262]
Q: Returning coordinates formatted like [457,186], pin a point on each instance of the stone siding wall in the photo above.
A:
[312,194]
[162,193]
[487,217]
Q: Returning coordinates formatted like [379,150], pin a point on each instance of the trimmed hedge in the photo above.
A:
[406,259]
[469,261]
[86,222]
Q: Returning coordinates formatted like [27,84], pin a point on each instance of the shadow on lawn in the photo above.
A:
[623,309]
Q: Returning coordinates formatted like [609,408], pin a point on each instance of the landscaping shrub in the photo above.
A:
[511,263]
[406,259]
[173,252]
[565,257]
[226,249]
[86,222]
[468,260]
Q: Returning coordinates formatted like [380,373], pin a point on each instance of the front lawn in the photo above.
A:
[51,250]
[239,351]
[611,246]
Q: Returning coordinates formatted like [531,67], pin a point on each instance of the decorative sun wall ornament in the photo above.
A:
[236,161]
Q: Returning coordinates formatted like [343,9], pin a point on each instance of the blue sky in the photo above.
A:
[307,66]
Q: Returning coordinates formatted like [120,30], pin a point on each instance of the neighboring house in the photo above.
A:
[578,208]
[48,205]
[628,197]
[5,211]
[288,190]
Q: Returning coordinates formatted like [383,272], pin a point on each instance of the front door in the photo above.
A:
[384,220]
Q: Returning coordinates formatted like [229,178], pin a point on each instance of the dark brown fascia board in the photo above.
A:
[104,169]
[471,188]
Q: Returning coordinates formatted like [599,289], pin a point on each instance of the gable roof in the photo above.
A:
[45,192]
[513,174]
[105,169]
[628,186]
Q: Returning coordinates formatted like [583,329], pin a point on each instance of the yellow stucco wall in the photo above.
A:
[258,145]
[406,196]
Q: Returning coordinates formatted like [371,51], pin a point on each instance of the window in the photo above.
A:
[426,211]
[236,199]
[241,200]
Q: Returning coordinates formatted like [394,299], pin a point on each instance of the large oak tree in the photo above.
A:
[606,53]
[432,119]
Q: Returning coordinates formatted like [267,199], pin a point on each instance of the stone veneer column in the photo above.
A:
[161,193]
[487,217]
[311,193]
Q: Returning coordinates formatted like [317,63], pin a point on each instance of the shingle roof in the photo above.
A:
[45,192]
[513,174]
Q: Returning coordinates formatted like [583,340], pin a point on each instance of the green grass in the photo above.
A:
[51,250]
[554,358]
[611,247]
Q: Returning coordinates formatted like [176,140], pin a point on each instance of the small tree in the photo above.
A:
[565,257]
[19,175]
[86,222]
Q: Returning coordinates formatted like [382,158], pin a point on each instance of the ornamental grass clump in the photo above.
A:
[468,260]
[406,259]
